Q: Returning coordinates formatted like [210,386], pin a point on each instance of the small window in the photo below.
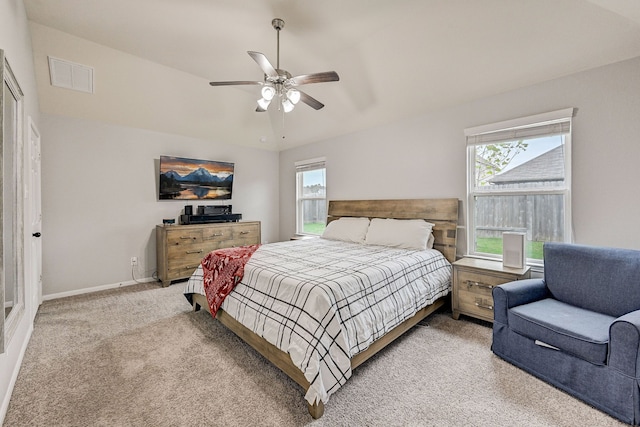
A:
[519,180]
[311,197]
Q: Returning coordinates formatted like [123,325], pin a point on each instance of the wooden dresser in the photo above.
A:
[180,248]
[473,282]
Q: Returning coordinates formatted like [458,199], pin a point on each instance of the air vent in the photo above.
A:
[70,75]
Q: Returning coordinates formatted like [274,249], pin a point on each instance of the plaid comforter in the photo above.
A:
[324,301]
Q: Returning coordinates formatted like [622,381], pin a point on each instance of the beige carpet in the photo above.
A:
[138,356]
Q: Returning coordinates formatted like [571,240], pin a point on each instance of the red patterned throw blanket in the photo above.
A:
[223,269]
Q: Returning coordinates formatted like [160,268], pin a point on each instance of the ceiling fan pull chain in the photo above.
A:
[283,125]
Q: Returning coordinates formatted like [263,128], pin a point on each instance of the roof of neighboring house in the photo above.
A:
[546,167]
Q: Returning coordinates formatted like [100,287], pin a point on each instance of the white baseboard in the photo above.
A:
[97,288]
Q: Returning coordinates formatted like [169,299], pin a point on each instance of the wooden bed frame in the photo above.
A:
[441,212]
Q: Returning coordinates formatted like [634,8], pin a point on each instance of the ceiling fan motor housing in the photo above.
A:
[283,76]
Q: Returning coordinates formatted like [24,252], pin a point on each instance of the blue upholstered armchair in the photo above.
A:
[578,328]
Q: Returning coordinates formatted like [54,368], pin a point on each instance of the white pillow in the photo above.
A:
[347,229]
[399,233]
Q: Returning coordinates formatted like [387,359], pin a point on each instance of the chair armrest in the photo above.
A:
[516,293]
[624,344]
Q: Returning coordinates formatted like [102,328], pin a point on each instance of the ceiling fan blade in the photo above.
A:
[310,101]
[264,63]
[239,82]
[327,76]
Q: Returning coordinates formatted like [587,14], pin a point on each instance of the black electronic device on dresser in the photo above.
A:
[209,214]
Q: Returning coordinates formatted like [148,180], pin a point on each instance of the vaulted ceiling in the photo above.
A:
[153,59]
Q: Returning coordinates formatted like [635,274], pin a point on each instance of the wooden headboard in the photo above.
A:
[441,212]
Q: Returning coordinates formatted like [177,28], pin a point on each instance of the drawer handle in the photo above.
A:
[218,234]
[187,238]
[244,232]
[478,284]
[195,252]
[189,267]
[486,307]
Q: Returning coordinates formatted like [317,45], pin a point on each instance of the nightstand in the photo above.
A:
[473,281]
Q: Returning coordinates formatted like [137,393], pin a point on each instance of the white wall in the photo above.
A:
[425,157]
[100,204]
[16,43]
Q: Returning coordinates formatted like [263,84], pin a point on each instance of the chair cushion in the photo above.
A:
[574,330]
[606,280]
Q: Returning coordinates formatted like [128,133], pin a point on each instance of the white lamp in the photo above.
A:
[263,103]
[287,106]
[268,92]
[293,95]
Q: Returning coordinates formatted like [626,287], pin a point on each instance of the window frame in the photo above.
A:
[301,167]
[524,128]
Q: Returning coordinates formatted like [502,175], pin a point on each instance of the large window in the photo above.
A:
[311,196]
[519,180]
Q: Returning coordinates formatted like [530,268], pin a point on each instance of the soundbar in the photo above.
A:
[214,210]
[207,219]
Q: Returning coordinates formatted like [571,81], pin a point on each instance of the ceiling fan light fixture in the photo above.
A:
[268,92]
[287,106]
[264,103]
[293,95]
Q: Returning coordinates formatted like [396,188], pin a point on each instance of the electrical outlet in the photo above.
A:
[134,260]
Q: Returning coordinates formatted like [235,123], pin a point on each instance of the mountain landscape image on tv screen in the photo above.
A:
[191,179]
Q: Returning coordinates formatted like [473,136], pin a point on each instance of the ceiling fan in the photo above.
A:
[279,84]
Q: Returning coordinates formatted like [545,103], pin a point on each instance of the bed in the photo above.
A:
[332,304]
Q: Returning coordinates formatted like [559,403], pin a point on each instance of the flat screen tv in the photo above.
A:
[192,179]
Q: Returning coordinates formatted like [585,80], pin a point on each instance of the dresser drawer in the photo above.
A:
[180,237]
[183,271]
[480,284]
[246,234]
[223,233]
[476,305]
[181,255]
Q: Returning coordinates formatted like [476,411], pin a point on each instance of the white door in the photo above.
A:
[35,215]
